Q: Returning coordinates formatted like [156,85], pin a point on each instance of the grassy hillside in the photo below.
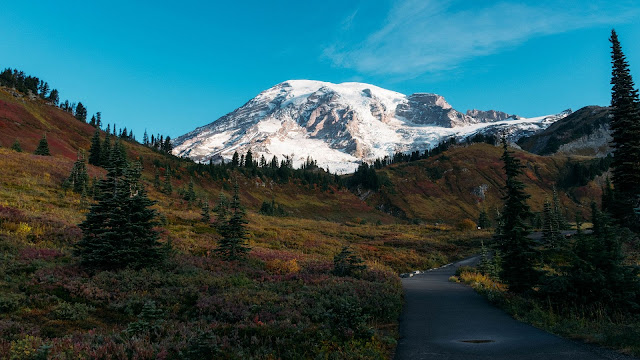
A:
[464,180]
[580,125]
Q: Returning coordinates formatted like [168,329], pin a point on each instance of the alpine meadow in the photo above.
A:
[158,214]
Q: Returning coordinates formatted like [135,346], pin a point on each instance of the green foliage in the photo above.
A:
[519,252]
[81,112]
[71,311]
[625,131]
[43,147]
[95,157]
[119,229]
[151,319]
[271,208]
[231,225]
[78,180]
[10,301]
[16,146]
[483,220]
[167,188]
[347,263]
[206,213]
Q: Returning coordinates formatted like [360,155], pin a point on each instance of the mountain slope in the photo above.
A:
[585,132]
[340,125]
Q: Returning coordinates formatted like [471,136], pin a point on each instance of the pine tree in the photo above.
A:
[54,97]
[248,160]
[119,229]
[156,179]
[519,255]
[99,120]
[347,263]
[81,112]
[105,151]
[78,180]
[625,131]
[145,138]
[559,217]
[232,244]
[167,146]
[16,146]
[550,227]
[94,150]
[206,216]
[166,187]
[43,147]
[235,159]
[190,194]
[483,220]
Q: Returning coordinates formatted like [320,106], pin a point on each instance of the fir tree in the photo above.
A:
[206,216]
[248,160]
[625,131]
[483,220]
[145,138]
[519,255]
[81,112]
[95,157]
[78,180]
[99,120]
[156,179]
[166,187]
[54,97]
[119,229]
[16,146]
[550,227]
[232,244]
[190,194]
[43,147]
[105,151]
[347,263]
[235,159]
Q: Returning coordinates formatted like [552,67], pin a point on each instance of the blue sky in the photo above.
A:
[172,66]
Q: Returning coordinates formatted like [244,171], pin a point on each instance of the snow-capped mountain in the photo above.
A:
[341,125]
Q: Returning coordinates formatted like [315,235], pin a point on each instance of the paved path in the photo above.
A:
[439,316]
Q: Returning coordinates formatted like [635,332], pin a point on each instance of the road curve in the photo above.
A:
[445,320]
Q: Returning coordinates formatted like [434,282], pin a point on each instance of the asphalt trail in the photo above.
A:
[445,320]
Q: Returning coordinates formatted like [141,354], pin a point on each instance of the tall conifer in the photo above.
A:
[43,147]
[94,150]
[625,130]
[519,254]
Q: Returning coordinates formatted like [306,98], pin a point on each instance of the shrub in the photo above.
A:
[10,302]
[347,263]
[282,267]
[466,225]
[68,311]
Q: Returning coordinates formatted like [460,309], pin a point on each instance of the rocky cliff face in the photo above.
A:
[340,125]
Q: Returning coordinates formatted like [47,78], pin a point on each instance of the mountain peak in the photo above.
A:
[340,125]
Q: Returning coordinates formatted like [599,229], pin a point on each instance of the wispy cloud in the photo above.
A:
[422,36]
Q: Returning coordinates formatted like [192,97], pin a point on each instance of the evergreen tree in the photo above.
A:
[16,146]
[145,138]
[79,178]
[559,217]
[206,216]
[222,213]
[166,187]
[190,194]
[99,120]
[167,146]
[232,244]
[156,179]
[347,263]
[105,151]
[235,160]
[119,229]
[483,220]
[54,97]
[95,157]
[550,227]
[43,147]
[248,160]
[625,131]
[81,112]
[519,255]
